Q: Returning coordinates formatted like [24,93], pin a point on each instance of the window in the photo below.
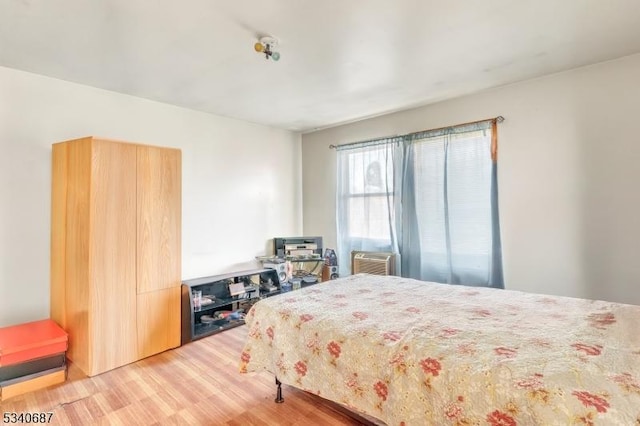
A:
[452,206]
[370,196]
[429,196]
[366,200]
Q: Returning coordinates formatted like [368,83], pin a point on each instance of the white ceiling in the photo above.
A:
[342,60]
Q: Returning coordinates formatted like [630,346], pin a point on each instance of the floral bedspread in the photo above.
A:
[415,353]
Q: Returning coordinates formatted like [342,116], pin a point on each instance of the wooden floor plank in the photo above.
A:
[196,384]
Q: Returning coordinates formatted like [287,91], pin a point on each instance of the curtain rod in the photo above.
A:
[498,119]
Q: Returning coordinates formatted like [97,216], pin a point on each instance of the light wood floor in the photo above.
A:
[196,384]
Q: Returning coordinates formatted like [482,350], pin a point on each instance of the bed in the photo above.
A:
[409,352]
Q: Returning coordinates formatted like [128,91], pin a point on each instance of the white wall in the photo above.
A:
[569,171]
[241,181]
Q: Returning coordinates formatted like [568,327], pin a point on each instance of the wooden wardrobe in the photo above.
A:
[115,250]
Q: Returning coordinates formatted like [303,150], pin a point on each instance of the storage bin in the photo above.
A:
[32,356]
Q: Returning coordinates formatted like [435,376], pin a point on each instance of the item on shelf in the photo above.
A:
[207,300]
[230,315]
[207,319]
[281,266]
[289,270]
[310,279]
[330,272]
[296,283]
[247,304]
[197,299]
[330,257]
[297,247]
[270,259]
[269,285]
[236,289]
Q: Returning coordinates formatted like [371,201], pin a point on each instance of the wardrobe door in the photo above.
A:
[158,321]
[112,258]
[159,204]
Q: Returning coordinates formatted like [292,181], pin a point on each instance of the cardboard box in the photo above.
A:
[32,356]
[32,382]
[26,342]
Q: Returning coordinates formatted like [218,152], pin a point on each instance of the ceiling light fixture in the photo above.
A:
[266,45]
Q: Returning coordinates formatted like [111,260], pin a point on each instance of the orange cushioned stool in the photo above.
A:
[32,356]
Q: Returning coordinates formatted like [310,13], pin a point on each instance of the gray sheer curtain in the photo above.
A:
[431,197]
[450,228]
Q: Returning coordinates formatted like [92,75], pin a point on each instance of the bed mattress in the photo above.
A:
[410,352]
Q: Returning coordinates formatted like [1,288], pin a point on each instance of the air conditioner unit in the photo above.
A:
[373,262]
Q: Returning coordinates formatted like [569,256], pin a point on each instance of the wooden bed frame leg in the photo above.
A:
[279,398]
